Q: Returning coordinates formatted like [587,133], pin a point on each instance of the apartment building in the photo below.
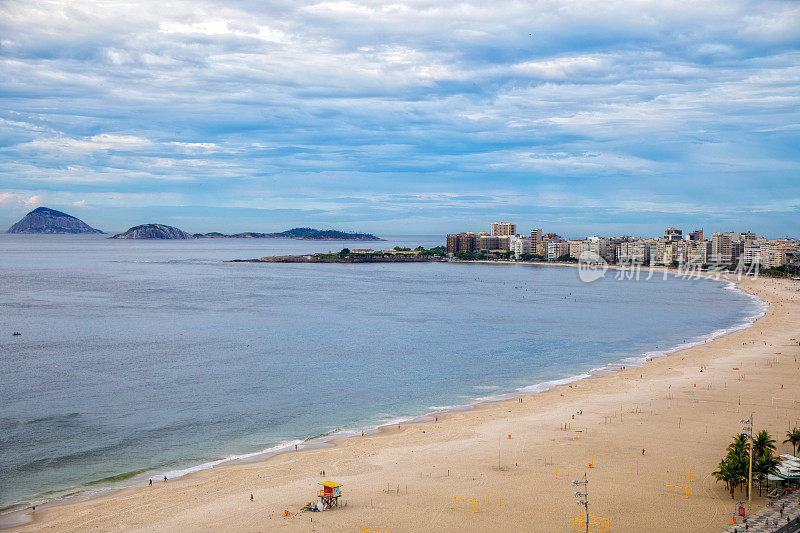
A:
[490,243]
[721,247]
[556,249]
[575,249]
[673,234]
[521,246]
[462,242]
[633,252]
[603,247]
[698,252]
[499,229]
[696,235]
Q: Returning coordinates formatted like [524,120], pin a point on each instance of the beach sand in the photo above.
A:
[402,480]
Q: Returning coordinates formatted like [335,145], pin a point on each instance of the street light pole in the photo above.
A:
[750,474]
[584,495]
[749,434]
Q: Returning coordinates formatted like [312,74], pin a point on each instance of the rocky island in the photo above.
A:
[308,234]
[49,221]
[153,231]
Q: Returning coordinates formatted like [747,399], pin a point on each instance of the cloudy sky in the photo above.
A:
[403,117]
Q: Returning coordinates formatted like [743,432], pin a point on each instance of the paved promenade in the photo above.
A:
[769,520]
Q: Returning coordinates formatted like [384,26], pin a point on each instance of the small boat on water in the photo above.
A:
[16,333]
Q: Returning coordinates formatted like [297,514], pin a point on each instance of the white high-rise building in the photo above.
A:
[521,246]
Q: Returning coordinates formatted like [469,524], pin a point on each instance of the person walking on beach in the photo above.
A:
[165,479]
[642,451]
[251,496]
[151,482]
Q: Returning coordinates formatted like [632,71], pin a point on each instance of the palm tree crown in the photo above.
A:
[793,437]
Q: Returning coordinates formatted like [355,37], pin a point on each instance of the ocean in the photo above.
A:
[141,359]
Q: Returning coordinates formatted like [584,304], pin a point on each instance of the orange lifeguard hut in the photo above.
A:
[330,494]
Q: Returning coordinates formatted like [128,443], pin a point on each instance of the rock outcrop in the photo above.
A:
[46,220]
[153,231]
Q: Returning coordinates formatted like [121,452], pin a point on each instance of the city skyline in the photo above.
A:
[593,117]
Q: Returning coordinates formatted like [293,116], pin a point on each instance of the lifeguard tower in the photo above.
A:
[330,493]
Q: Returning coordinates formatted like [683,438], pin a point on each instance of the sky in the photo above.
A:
[404,117]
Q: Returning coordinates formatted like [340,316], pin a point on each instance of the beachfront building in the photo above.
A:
[556,248]
[767,254]
[657,249]
[493,243]
[754,253]
[521,246]
[737,249]
[462,242]
[506,229]
[486,243]
[698,252]
[679,252]
[536,235]
[633,252]
[575,249]
[603,247]
[721,247]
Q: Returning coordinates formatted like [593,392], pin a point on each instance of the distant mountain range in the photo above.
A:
[309,234]
[46,220]
[50,221]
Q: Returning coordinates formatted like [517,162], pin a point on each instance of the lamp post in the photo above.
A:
[584,495]
[749,434]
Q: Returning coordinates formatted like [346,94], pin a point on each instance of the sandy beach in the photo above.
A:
[666,422]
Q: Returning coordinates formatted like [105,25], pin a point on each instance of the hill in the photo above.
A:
[49,221]
[153,231]
[309,234]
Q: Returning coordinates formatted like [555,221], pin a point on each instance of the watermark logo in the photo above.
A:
[591,266]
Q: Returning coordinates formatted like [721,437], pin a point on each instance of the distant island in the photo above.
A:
[153,231]
[44,220]
[363,255]
[49,221]
[308,234]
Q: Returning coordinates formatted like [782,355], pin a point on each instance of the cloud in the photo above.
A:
[33,202]
[244,103]
[79,203]
[7,198]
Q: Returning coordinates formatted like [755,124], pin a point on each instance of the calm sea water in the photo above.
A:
[140,358]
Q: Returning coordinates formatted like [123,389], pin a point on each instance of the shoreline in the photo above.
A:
[334,441]
[81,493]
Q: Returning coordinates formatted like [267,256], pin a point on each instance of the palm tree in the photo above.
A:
[763,445]
[761,467]
[793,437]
[738,447]
[725,473]
[729,472]
[738,461]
